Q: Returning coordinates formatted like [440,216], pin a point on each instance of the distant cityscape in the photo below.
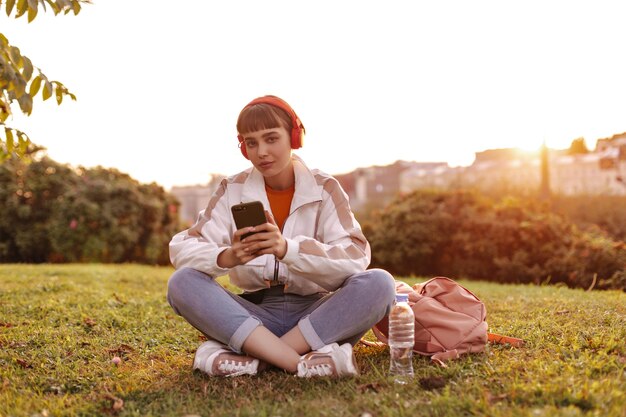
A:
[573,171]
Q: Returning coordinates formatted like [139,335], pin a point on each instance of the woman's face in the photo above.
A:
[269,151]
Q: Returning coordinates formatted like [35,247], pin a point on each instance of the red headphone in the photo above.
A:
[297,130]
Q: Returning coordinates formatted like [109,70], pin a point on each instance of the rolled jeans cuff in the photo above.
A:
[241,334]
[309,334]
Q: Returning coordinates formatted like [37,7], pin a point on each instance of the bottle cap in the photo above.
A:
[402,298]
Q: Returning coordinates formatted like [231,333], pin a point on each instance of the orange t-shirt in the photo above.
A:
[280,202]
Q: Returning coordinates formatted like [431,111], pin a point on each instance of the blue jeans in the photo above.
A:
[344,315]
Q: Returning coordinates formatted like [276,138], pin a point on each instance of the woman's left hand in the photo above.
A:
[267,239]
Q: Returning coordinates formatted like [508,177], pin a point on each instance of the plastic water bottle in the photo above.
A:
[401,339]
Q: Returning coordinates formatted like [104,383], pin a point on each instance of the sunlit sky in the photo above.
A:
[160,83]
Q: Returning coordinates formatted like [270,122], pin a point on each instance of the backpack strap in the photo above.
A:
[371,344]
[491,337]
[500,339]
[380,335]
[440,358]
[382,339]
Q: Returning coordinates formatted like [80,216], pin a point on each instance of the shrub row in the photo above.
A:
[463,234]
[53,213]
[607,212]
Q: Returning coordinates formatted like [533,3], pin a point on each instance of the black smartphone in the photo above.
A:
[248,214]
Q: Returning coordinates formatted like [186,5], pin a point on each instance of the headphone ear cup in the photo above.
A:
[296,137]
[242,147]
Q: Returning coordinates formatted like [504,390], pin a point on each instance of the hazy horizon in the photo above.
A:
[160,85]
[536,152]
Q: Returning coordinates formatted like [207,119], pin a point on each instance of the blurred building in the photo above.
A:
[494,169]
[602,171]
[377,185]
[592,173]
[194,198]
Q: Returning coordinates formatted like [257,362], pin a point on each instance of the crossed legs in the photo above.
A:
[285,327]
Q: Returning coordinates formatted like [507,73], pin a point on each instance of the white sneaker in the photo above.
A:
[216,359]
[331,360]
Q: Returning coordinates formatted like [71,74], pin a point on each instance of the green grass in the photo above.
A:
[60,326]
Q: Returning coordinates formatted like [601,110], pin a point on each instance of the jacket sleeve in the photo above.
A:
[340,250]
[199,246]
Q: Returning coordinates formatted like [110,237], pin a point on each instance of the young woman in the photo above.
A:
[308,296]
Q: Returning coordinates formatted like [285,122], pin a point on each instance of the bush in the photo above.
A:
[52,213]
[590,211]
[459,233]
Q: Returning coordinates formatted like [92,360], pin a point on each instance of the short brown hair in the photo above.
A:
[262,116]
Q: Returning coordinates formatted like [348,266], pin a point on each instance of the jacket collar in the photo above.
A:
[307,189]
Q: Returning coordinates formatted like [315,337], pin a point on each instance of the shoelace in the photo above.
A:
[317,370]
[236,368]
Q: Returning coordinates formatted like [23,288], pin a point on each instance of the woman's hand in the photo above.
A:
[267,239]
[238,253]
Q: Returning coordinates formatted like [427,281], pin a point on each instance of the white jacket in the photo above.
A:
[325,244]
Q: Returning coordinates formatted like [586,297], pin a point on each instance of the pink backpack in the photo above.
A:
[449,320]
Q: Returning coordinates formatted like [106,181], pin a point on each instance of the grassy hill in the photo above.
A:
[60,326]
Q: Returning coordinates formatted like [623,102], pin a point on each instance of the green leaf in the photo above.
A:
[32,14]
[22,7]
[16,57]
[19,87]
[76,7]
[59,94]
[72,96]
[24,141]
[10,4]
[54,6]
[34,86]
[65,6]
[27,73]
[26,104]
[4,80]
[9,134]
[47,90]
[5,110]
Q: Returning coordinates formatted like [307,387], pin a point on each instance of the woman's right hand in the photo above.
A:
[238,253]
